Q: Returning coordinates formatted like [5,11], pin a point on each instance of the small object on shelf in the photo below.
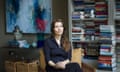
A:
[82,15]
[17,33]
[34,44]
[92,14]
[13,43]
[23,44]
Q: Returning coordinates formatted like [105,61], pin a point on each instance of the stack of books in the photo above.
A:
[107,57]
[101,10]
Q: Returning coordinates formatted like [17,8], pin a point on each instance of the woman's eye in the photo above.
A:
[58,26]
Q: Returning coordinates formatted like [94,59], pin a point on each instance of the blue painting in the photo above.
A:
[32,16]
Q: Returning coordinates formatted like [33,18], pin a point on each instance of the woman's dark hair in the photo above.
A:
[64,40]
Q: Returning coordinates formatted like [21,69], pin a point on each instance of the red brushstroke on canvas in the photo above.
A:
[41,24]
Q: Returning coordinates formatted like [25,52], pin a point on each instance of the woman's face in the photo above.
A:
[58,28]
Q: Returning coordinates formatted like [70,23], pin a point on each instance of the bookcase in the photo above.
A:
[87,18]
[82,27]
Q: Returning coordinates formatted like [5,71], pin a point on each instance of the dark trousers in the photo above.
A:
[71,67]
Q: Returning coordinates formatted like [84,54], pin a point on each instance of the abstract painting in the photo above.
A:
[31,16]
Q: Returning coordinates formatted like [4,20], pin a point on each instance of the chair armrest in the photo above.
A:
[87,68]
[42,60]
[77,55]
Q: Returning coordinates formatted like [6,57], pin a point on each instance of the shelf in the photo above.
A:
[86,19]
[17,48]
[95,18]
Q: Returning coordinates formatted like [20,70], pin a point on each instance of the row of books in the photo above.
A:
[101,10]
[96,10]
[107,63]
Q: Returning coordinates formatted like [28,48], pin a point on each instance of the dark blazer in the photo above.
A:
[55,52]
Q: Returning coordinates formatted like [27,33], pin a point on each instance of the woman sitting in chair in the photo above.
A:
[57,50]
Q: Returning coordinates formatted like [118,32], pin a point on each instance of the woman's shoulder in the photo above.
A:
[50,38]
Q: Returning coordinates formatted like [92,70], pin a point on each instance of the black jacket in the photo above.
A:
[55,52]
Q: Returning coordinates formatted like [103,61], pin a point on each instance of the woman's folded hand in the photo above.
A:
[60,65]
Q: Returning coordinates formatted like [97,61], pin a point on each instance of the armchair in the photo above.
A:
[77,55]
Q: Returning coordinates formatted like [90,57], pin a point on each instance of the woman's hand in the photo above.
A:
[60,65]
[51,63]
[67,61]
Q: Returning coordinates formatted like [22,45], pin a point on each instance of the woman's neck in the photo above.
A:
[58,38]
